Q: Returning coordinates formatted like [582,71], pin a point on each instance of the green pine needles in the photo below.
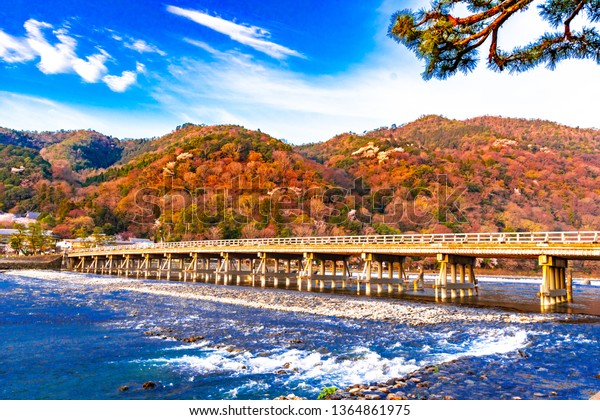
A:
[450,43]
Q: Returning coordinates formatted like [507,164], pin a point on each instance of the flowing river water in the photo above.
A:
[76,336]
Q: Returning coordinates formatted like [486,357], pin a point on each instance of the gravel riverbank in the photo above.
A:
[344,306]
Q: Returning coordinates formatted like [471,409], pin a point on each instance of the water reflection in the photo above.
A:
[505,293]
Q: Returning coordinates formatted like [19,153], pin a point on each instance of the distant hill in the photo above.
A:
[431,132]
[30,139]
[80,149]
[31,159]
[83,149]
[431,175]
[482,174]
[206,181]
[22,168]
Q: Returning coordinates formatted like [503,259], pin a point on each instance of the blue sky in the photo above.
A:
[299,70]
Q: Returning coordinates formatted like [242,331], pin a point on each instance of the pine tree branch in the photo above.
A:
[479,17]
[472,19]
[494,46]
[571,17]
[551,49]
[496,23]
[448,43]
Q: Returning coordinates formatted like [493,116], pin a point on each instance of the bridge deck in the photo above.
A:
[526,245]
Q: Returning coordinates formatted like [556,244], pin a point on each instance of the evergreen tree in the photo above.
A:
[448,43]
[31,240]
[38,242]
[18,241]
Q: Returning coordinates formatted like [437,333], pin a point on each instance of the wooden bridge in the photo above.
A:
[319,262]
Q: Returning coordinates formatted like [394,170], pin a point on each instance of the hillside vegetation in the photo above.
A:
[431,175]
[483,174]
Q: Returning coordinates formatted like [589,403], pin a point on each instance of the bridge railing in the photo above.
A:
[587,237]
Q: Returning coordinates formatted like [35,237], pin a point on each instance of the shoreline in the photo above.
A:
[429,383]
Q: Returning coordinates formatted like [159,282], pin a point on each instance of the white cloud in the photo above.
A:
[14,50]
[385,88]
[61,58]
[93,69]
[54,59]
[122,82]
[235,88]
[204,46]
[142,47]
[251,36]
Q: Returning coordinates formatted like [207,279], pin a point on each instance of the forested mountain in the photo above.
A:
[30,157]
[83,150]
[483,174]
[21,169]
[200,181]
[431,175]
[79,149]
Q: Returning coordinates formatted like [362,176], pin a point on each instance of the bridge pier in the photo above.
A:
[94,265]
[143,266]
[419,282]
[262,269]
[306,271]
[288,269]
[162,266]
[190,269]
[344,276]
[464,265]
[80,264]
[240,268]
[570,285]
[195,267]
[169,263]
[258,272]
[378,260]
[223,269]
[276,278]
[320,281]
[102,263]
[271,267]
[321,277]
[124,268]
[553,289]
[366,274]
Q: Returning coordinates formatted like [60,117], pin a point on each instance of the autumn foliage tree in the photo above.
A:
[449,42]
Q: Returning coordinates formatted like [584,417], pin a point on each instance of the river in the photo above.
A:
[74,336]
